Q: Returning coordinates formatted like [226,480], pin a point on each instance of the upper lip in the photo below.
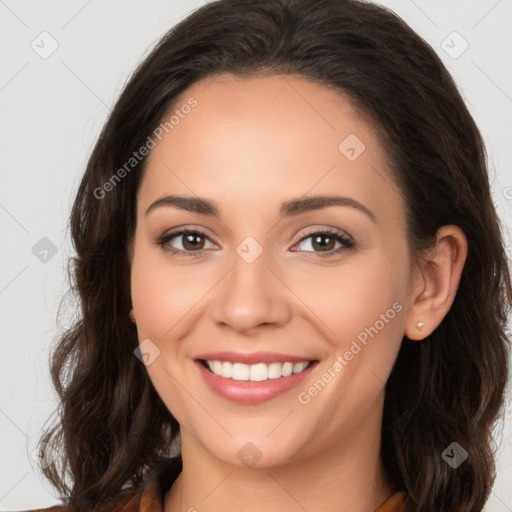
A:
[252,357]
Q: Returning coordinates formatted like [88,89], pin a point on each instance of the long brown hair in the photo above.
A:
[113,427]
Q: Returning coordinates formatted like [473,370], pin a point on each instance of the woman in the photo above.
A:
[293,283]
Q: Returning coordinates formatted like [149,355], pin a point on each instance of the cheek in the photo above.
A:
[362,306]
[354,297]
[162,296]
[162,293]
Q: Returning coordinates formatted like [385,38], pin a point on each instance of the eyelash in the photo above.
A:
[347,243]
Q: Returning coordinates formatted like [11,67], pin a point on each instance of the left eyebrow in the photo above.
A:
[301,205]
[288,208]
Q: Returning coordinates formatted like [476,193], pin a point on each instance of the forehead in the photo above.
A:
[265,139]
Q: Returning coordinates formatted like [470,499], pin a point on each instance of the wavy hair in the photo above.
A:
[113,427]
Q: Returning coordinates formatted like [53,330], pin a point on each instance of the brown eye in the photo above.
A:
[192,243]
[323,243]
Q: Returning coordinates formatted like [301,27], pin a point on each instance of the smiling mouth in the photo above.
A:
[254,372]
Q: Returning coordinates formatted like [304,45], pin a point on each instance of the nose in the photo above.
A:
[251,295]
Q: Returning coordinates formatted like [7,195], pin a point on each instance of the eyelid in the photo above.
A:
[324,229]
[186,229]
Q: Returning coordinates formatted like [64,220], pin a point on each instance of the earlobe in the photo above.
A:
[131,314]
[433,292]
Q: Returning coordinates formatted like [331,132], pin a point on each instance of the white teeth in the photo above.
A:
[226,370]
[287,369]
[299,367]
[217,367]
[255,372]
[274,370]
[240,371]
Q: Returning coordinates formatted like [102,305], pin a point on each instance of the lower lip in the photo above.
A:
[249,392]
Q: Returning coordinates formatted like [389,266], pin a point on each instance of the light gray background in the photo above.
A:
[52,110]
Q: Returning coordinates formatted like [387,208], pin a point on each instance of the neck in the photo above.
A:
[342,478]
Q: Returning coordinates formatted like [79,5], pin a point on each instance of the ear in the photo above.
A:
[435,283]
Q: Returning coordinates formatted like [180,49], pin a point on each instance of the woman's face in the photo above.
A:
[261,281]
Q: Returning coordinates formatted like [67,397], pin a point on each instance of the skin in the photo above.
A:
[249,145]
